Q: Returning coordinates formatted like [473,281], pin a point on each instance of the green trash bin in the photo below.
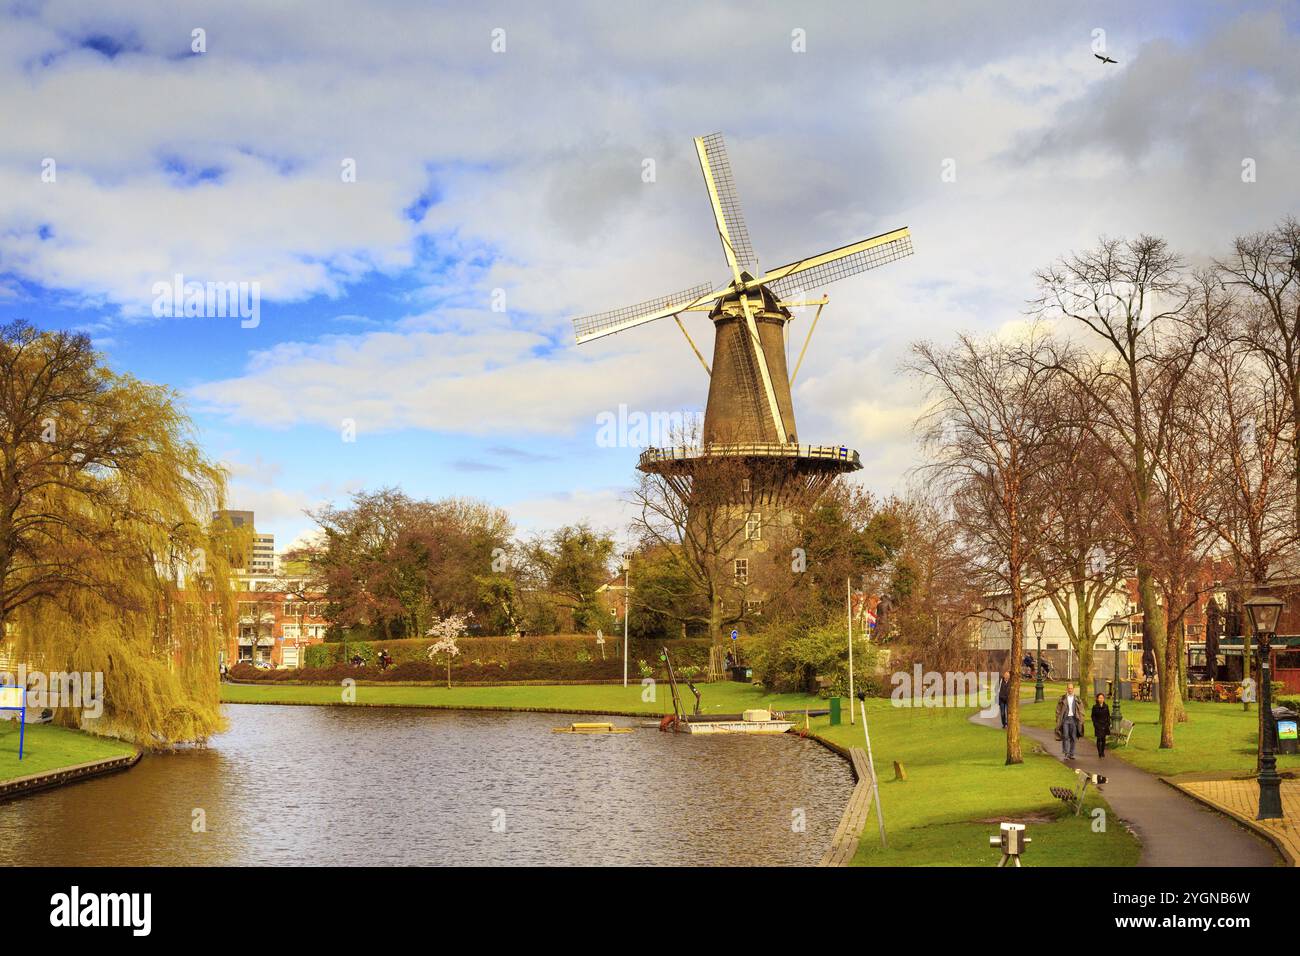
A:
[835,711]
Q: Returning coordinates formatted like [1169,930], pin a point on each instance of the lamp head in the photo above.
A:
[1264,611]
[1116,628]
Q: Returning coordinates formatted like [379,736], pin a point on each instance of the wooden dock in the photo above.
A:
[844,844]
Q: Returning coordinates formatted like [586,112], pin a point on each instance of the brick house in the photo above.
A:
[275,622]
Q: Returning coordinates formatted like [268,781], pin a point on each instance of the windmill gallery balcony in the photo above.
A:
[767,473]
[840,458]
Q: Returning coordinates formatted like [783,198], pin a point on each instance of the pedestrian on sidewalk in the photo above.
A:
[1004,695]
[1101,723]
[1069,721]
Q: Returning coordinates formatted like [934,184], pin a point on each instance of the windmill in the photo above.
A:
[749,414]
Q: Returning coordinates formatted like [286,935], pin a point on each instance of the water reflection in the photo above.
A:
[337,786]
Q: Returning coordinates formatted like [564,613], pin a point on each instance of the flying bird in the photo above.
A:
[1105,59]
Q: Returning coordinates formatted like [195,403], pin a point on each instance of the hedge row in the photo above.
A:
[428,672]
[556,657]
[555,647]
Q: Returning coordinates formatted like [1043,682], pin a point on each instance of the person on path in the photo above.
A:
[1069,721]
[1004,695]
[1101,723]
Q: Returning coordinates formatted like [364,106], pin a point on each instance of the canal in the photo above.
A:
[332,786]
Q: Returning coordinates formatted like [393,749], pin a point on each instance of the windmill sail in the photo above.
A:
[817,271]
[590,327]
[735,235]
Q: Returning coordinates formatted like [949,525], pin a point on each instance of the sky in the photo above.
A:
[423,195]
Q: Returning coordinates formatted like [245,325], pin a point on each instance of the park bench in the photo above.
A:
[1066,796]
[1074,798]
[1119,737]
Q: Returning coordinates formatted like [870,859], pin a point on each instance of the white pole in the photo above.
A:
[871,765]
[848,588]
[627,612]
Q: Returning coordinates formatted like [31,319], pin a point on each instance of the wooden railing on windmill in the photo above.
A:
[749,396]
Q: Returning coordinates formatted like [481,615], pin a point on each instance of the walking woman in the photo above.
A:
[1101,723]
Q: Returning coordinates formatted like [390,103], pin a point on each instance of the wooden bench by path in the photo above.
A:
[1120,737]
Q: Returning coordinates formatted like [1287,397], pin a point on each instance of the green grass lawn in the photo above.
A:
[720,698]
[1216,738]
[956,776]
[48,747]
[957,790]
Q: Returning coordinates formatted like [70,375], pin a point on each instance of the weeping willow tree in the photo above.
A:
[108,562]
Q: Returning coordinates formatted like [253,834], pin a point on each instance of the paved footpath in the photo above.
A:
[1239,797]
[1175,830]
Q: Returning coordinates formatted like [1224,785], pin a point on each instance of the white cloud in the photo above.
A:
[605,509]
[530,162]
[486,380]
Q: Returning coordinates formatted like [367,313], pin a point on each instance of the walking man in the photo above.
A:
[1004,695]
[1069,721]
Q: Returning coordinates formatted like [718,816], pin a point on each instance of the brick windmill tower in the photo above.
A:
[749,422]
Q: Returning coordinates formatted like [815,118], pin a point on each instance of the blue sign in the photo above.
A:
[735,634]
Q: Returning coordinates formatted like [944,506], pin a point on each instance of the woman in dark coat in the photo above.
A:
[1100,723]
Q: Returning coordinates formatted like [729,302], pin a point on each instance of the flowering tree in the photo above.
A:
[447,631]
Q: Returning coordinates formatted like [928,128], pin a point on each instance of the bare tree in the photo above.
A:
[1235,418]
[1133,297]
[985,435]
[1236,473]
[1081,552]
[1266,267]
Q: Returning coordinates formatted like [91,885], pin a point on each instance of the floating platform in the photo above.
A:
[698,726]
[591,728]
[750,722]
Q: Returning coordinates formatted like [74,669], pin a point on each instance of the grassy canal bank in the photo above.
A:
[48,747]
[722,698]
[956,792]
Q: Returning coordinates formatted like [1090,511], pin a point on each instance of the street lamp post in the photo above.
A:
[1117,628]
[1264,612]
[1039,624]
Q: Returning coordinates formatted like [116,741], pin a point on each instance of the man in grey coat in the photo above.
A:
[1069,720]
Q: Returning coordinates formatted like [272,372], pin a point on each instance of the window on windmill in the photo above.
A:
[754,608]
[753,526]
[744,484]
[742,570]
